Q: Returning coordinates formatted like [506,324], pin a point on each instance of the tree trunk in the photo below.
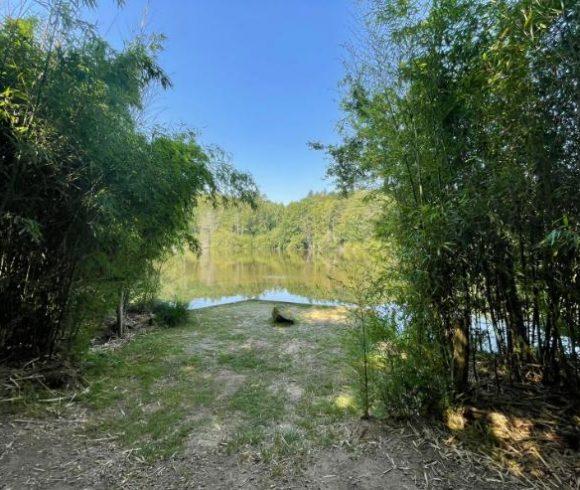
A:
[460,355]
[121,314]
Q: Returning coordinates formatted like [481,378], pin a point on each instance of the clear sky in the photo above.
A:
[259,78]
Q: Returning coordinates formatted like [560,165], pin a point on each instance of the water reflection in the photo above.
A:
[278,295]
[210,280]
[215,280]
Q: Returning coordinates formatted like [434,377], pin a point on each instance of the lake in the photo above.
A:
[214,279]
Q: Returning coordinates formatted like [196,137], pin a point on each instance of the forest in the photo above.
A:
[320,224]
[454,219]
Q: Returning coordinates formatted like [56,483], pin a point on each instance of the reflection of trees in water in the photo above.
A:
[217,275]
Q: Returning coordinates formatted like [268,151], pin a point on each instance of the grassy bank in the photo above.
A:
[230,395]
[230,379]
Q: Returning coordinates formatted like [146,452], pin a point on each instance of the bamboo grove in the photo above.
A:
[465,114]
[89,199]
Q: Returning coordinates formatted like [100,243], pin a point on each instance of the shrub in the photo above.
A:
[170,313]
[397,371]
[412,378]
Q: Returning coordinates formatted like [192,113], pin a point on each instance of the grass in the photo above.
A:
[144,393]
[226,379]
[230,381]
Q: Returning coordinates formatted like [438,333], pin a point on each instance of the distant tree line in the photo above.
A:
[317,225]
[89,200]
[466,114]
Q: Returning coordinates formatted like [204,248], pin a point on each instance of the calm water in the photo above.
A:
[213,280]
[218,279]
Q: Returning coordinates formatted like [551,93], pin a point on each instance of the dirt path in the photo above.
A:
[228,401]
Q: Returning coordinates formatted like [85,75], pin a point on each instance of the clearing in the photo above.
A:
[227,401]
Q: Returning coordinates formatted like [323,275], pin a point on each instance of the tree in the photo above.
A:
[470,127]
[90,201]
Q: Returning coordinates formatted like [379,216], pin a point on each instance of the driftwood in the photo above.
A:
[283,315]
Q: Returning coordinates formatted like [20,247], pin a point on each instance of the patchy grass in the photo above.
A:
[226,379]
[145,393]
[238,399]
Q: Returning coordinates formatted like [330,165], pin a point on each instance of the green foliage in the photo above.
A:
[170,313]
[360,344]
[398,367]
[396,372]
[318,225]
[470,123]
[89,201]
[412,378]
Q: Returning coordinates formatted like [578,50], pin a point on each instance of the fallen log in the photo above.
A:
[283,315]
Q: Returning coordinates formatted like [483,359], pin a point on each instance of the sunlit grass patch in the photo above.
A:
[328,407]
[145,392]
[248,435]
[164,392]
[319,385]
[345,402]
[152,435]
[325,315]
[115,375]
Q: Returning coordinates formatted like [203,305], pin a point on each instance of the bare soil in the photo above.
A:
[315,439]
[58,454]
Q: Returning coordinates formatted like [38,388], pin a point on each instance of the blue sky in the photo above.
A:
[259,78]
